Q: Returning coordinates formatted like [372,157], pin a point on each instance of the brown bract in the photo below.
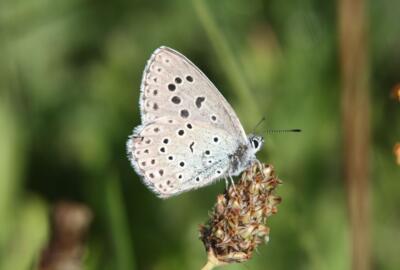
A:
[237,224]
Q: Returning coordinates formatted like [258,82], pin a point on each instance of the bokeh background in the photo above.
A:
[70,72]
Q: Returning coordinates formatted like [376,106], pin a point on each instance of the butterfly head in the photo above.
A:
[256,142]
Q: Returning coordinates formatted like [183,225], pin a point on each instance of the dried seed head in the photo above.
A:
[396,151]
[237,223]
[395,93]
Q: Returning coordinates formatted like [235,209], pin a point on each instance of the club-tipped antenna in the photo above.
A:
[283,130]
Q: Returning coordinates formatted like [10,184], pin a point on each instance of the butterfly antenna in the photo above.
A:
[283,130]
[258,124]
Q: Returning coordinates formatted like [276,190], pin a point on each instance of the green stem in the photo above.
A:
[226,58]
[119,225]
[212,262]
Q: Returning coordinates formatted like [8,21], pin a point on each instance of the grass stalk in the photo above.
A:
[119,225]
[354,66]
[226,58]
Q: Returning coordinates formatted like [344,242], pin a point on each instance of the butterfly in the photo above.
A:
[190,136]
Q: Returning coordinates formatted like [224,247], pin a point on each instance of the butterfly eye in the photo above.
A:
[255,144]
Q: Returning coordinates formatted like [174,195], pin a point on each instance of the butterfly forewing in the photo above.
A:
[173,85]
[188,128]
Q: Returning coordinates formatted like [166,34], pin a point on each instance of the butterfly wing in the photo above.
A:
[172,85]
[188,128]
[172,158]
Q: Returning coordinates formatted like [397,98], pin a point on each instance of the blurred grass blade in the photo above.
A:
[354,64]
[227,59]
[28,237]
[120,234]
[9,169]
[24,224]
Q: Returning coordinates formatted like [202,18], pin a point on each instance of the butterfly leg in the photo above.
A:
[259,167]
[226,183]
[232,182]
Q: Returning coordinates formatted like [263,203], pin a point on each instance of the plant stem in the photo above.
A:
[209,266]
[119,224]
[226,58]
[355,112]
[212,262]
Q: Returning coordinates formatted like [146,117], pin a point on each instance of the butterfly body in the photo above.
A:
[244,155]
[190,136]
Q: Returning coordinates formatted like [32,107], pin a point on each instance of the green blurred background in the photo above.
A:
[70,72]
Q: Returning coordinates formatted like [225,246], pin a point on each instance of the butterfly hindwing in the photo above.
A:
[171,158]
